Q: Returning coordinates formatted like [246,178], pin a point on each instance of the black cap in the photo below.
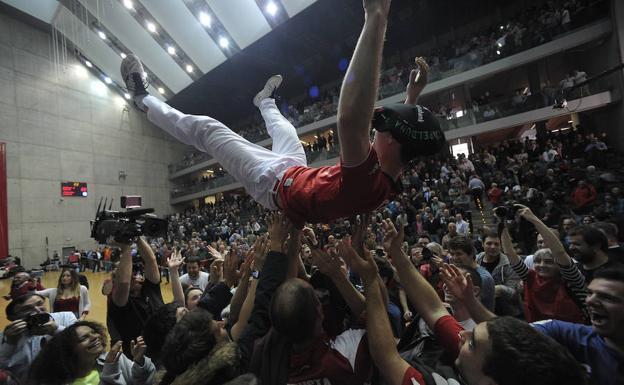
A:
[414,126]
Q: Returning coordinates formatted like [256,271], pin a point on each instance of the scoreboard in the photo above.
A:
[74,189]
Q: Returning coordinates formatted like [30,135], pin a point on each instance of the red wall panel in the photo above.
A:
[4,221]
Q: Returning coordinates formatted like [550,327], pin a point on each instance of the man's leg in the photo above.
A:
[246,162]
[284,135]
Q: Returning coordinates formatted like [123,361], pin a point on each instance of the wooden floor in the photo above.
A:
[98,301]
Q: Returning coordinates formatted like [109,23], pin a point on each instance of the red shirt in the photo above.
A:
[67,304]
[343,360]
[549,299]
[324,194]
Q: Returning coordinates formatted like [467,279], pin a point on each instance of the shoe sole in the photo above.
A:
[271,85]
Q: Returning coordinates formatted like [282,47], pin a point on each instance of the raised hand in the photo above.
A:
[114,353]
[137,348]
[393,238]
[260,250]
[460,285]
[14,331]
[360,229]
[278,230]
[364,266]
[216,270]
[214,252]
[417,81]
[309,238]
[230,265]
[327,264]
[175,260]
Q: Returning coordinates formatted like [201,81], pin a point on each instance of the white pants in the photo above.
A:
[256,167]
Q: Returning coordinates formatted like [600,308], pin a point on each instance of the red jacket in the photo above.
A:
[582,196]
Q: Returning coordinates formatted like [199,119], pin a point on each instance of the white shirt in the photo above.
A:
[462,227]
[201,281]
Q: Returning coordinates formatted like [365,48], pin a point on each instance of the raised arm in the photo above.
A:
[238,299]
[152,273]
[516,263]
[121,279]
[417,81]
[174,262]
[551,241]
[419,292]
[461,287]
[361,83]
[381,341]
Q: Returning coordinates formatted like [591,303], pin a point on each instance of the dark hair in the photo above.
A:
[57,363]
[189,341]
[425,235]
[193,259]
[294,310]
[614,273]
[384,267]
[521,355]
[157,327]
[462,243]
[592,236]
[75,283]
[11,311]
[488,232]
[609,229]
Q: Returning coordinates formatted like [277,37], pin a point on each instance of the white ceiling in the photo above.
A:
[244,20]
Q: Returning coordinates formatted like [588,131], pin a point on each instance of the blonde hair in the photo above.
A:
[74,286]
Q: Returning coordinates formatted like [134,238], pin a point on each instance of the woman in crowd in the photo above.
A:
[68,295]
[77,355]
[555,289]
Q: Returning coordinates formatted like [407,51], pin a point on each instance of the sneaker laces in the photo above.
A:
[140,84]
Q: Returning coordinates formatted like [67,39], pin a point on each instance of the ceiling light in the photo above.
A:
[224,42]
[498,52]
[189,68]
[161,90]
[102,35]
[271,8]
[123,55]
[88,64]
[127,96]
[107,80]
[151,27]
[171,49]
[81,72]
[205,19]
[128,4]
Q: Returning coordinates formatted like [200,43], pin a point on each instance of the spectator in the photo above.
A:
[462,225]
[69,295]
[462,254]
[610,230]
[589,246]
[194,276]
[135,296]
[494,194]
[452,233]
[20,343]
[78,355]
[547,288]
[507,289]
[23,284]
[583,197]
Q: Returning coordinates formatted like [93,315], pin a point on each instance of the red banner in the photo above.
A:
[4,222]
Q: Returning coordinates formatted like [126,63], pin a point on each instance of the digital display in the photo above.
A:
[74,189]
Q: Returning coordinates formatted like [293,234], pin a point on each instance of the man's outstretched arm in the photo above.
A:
[360,86]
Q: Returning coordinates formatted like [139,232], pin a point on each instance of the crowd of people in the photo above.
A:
[502,266]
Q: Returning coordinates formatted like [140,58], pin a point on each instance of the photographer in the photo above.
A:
[23,284]
[30,325]
[137,293]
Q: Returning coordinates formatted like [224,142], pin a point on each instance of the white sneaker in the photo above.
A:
[269,88]
[133,75]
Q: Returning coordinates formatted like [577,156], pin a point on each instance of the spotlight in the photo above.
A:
[161,90]
[205,19]
[151,27]
[189,68]
[107,80]
[171,49]
[127,96]
[498,52]
[102,35]
[224,42]
[123,55]
[88,64]
[128,4]
[271,8]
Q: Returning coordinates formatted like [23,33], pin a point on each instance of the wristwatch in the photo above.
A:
[255,274]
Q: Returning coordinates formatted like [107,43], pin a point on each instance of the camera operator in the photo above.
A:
[136,295]
[30,325]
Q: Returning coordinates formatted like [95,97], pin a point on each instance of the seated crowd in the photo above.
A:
[535,297]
